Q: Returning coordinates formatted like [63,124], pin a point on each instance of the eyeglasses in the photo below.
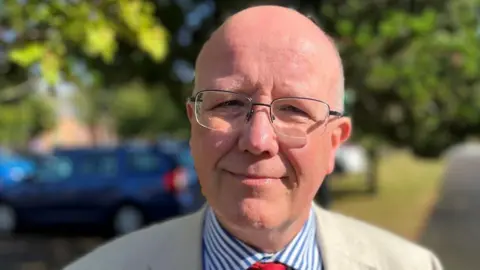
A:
[291,117]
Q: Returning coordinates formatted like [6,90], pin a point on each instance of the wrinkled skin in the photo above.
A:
[267,52]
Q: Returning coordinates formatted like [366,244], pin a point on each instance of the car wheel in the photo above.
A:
[127,218]
[8,219]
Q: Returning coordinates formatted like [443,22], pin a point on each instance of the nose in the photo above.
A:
[258,136]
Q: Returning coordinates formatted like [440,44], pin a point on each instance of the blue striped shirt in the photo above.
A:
[221,251]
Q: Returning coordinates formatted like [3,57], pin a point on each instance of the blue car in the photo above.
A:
[14,167]
[122,188]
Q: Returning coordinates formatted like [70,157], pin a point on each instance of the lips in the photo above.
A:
[253,176]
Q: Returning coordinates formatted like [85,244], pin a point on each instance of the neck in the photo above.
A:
[269,240]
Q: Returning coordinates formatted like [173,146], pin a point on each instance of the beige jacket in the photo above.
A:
[346,244]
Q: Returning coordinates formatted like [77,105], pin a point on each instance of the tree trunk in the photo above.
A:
[372,173]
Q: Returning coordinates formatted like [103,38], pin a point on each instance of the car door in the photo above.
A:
[76,188]
[94,187]
[36,198]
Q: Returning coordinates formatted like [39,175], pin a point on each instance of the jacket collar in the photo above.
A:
[341,249]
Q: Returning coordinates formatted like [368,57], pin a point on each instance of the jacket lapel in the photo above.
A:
[341,250]
[188,249]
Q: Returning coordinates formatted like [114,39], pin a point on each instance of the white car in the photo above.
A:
[351,159]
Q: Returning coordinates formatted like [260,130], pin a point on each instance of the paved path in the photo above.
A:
[454,228]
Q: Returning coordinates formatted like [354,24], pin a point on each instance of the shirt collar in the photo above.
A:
[301,253]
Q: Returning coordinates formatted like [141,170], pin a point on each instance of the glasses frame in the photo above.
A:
[193,99]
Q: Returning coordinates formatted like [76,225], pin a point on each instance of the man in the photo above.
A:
[266,119]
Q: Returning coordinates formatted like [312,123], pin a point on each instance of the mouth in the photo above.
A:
[254,179]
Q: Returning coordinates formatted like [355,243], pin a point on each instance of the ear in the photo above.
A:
[190,113]
[191,118]
[340,133]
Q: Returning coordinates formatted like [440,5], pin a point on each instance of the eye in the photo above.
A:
[293,109]
[229,103]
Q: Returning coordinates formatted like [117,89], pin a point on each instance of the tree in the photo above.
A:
[140,112]
[58,39]
[23,119]
[412,67]
[397,55]
[414,72]
[56,36]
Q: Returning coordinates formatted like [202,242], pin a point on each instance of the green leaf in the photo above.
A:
[364,35]
[50,67]
[101,41]
[130,12]
[27,55]
[96,27]
[382,76]
[394,26]
[345,27]
[154,41]
[424,23]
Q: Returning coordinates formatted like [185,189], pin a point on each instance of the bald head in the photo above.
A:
[277,33]
[287,67]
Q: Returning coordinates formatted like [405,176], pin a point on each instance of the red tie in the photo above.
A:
[268,266]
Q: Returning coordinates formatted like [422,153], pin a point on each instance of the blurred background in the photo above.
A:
[94,138]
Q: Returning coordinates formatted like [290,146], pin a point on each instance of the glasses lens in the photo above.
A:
[296,117]
[221,110]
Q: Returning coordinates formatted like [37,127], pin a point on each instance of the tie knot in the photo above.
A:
[268,266]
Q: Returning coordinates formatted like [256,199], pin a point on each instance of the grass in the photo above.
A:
[408,189]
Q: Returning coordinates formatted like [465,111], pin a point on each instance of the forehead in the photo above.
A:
[278,67]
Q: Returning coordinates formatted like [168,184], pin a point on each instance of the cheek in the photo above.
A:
[207,149]
[310,162]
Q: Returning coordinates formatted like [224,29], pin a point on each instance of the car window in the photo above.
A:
[148,161]
[98,165]
[54,169]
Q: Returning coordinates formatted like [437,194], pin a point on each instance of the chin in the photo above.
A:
[255,213]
